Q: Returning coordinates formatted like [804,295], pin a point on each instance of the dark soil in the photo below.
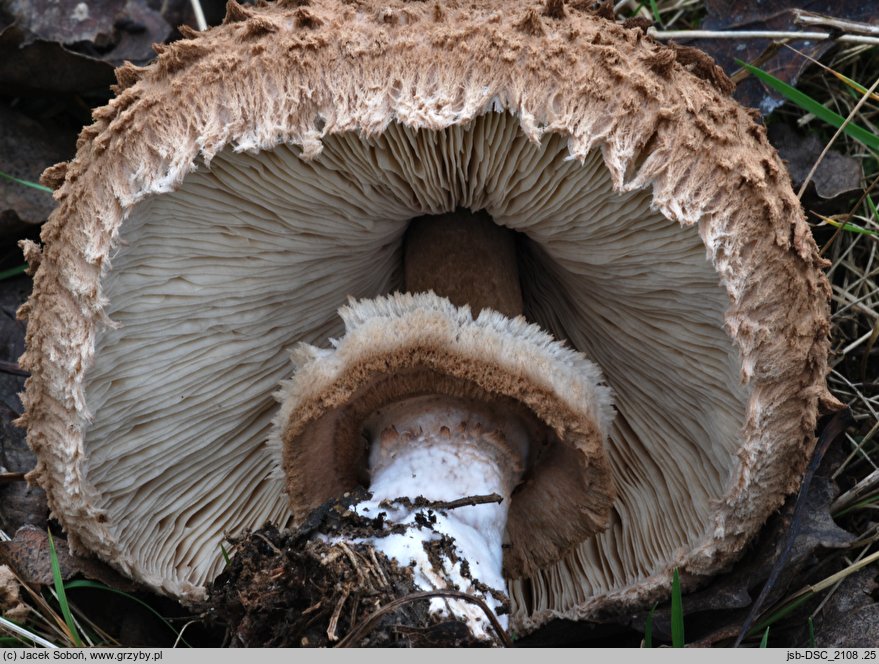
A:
[316,587]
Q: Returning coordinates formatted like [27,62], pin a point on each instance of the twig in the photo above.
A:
[183,629]
[13,368]
[30,636]
[860,202]
[420,502]
[199,15]
[758,34]
[378,567]
[836,585]
[363,578]
[267,541]
[839,131]
[370,623]
[808,18]
[467,501]
[11,477]
[858,492]
[334,619]
[857,448]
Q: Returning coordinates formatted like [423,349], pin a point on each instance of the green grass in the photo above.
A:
[677,612]
[677,616]
[26,183]
[870,204]
[648,628]
[12,272]
[62,595]
[814,107]
[847,226]
[655,11]
[94,585]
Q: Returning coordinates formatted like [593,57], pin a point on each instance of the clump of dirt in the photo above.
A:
[317,586]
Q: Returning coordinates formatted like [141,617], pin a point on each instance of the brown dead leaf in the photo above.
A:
[851,616]
[28,554]
[837,174]
[73,45]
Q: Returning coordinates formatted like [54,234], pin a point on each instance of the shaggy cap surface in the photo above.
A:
[239,189]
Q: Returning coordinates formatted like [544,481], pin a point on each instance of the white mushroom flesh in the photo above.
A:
[439,450]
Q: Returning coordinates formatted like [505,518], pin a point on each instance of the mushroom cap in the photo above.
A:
[405,346]
[237,190]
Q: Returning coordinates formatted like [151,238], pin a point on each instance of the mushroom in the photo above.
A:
[239,189]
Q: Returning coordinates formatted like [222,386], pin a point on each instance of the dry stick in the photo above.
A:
[850,214]
[836,585]
[421,503]
[857,449]
[829,70]
[467,501]
[30,636]
[874,335]
[266,540]
[758,34]
[372,621]
[809,18]
[12,368]
[839,131]
[334,619]
[831,432]
[857,493]
[199,15]
[11,477]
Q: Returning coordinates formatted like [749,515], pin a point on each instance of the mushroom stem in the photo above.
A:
[439,448]
[465,257]
[442,448]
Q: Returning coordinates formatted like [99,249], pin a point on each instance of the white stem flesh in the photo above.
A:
[443,450]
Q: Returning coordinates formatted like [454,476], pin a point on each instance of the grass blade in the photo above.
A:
[806,102]
[872,207]
[12,272]
[794,603]
[655,11]
[648,628]
[811,632]
[764,642]
[94,585]
[62,596]
[677,612]
[847,226]
[26,183]
[225,553]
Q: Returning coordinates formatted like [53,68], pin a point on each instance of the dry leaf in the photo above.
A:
[28,554]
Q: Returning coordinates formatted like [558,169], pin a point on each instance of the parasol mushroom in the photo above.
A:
[240,188]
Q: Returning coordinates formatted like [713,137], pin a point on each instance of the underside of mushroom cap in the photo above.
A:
[631,179]
[405,346]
